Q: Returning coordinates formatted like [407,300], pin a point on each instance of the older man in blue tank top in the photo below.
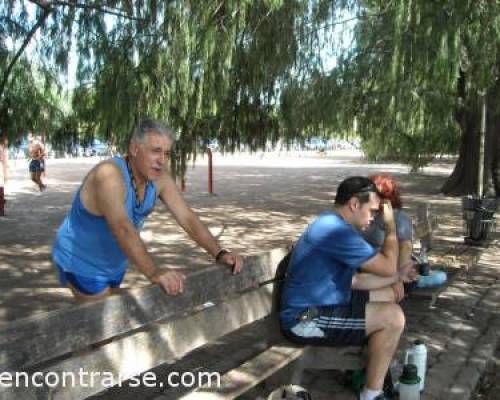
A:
[100,234]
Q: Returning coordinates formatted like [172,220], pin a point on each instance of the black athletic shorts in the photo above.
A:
[332,325]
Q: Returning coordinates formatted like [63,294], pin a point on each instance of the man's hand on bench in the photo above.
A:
[170,280]
[234,260]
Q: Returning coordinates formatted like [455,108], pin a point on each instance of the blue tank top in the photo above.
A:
[85,244]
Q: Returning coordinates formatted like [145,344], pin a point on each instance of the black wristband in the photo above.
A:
[221,254]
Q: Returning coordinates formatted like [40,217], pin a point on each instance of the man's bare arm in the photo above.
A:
[109,191]
[191,223]
[367,281]
[385,263]
[405,251]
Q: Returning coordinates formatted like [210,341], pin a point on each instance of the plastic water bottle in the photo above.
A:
[417,354]
[409,383]
[424,267]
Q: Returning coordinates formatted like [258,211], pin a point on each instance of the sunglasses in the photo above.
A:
[370,187]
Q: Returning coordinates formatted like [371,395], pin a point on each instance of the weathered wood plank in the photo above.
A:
[216,357]
[28,342]
[241,379]
[163,342]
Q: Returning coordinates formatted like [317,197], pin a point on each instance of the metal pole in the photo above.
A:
[2,201]
[210,172]
[183,183]
[482,134]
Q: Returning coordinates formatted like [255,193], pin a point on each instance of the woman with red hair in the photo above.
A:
[375,234]
[389,187]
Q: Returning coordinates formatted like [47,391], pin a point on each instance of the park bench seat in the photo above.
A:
[151,331]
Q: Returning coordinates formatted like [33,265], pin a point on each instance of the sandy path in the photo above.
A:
[262,201]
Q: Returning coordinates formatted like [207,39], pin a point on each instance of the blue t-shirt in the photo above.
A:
[322,265]
[85,244]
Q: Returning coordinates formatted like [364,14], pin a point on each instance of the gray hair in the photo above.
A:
[148,126]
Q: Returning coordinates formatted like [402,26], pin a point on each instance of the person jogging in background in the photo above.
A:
[37,164]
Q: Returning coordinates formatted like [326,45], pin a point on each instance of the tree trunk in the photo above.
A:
[495,159]
[464,178]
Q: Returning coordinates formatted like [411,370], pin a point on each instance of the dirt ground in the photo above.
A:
[262,201]
[489,386]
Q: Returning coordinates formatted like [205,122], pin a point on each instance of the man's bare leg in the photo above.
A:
[36,177]
[382,295]
[384,324]
[85,298]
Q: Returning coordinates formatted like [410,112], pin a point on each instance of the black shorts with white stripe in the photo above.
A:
[333,325]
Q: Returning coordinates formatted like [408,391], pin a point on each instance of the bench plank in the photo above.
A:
[162,342]
[239,380]
[28,342]
[217,356]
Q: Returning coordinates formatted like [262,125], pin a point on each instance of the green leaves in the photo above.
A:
[404,72]
[249,72]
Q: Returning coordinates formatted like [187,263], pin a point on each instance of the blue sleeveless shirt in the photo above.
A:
[85,244]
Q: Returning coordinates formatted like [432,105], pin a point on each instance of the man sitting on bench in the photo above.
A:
[101,232]
[339,291]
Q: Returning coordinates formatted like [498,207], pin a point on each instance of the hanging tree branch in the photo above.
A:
[347,20]
[96,7]
[47,7]
[34,29]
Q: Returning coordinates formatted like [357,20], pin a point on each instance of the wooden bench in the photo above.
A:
[223,323]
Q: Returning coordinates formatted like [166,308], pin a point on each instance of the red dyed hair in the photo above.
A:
[389,187]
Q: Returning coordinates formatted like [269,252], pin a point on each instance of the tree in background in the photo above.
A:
[411,84]
[210,69]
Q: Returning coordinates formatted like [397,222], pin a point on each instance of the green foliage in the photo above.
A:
[249,72]
[31,101]
[400,79]
[211,69]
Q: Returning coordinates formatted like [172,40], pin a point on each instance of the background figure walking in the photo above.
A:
[37,164]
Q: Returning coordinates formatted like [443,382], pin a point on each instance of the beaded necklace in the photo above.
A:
[137,203]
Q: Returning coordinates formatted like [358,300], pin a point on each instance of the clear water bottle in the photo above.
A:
[409,383]
[424,267]
[417,354]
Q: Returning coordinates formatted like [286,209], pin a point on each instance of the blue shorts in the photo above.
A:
[37,166]
[89,286]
